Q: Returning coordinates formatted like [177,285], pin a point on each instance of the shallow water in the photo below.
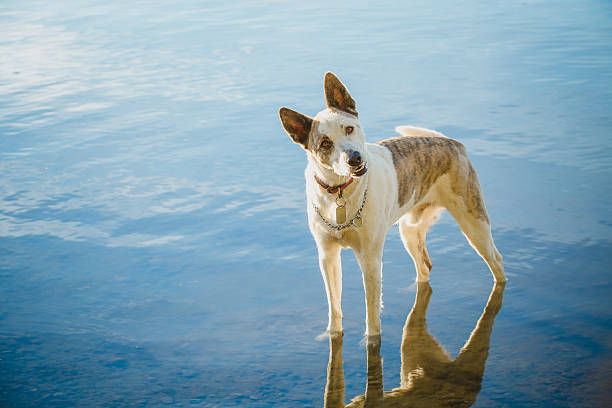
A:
[153,238]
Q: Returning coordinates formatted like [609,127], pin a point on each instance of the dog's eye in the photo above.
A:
[326,144]
[349,130]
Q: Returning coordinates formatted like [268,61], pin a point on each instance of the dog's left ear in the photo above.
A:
[337,96]
[297,125]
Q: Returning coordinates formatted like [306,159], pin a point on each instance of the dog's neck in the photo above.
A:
[328,177]
[323,177]
[333,189]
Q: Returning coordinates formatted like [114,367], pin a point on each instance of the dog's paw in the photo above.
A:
[327,334]
[322,336]
[369,340]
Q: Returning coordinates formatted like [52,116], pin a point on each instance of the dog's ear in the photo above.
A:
[337,96]
[297,125]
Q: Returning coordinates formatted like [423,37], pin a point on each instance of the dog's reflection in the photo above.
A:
[429,378]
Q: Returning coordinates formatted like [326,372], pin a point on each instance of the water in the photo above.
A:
[153,238]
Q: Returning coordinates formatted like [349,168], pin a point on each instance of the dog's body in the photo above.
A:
[407,180]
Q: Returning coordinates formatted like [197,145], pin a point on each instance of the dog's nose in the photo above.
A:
[354,159]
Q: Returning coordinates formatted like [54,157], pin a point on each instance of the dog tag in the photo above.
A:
[340,215]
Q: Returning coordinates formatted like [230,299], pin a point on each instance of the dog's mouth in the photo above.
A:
[359,171]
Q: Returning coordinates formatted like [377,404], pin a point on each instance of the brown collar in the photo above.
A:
[333,189]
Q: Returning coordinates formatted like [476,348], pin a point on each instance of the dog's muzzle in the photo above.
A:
[357,165]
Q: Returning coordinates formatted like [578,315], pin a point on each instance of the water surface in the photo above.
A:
[153,239]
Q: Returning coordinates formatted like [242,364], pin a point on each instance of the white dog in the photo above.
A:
[356,191]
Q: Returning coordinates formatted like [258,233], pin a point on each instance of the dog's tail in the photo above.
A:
[417,131]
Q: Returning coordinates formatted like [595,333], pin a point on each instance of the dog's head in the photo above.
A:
[333,139]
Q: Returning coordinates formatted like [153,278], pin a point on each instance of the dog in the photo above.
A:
[356,191]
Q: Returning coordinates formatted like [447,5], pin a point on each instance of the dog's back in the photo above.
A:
[422,156]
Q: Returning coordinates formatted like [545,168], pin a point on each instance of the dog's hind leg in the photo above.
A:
[477,230]
[413,230]
[331,269]
[413,238]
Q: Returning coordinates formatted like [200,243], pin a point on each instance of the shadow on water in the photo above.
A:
[429,378]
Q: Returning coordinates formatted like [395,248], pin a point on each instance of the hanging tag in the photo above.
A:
[340,209]
[340,215]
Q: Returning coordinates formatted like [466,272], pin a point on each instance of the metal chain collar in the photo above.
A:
[352,222]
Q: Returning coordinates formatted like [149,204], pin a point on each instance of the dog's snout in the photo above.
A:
[356,163]
[354,159]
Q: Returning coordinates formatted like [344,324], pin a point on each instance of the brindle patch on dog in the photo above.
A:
[471,192]
[420,161]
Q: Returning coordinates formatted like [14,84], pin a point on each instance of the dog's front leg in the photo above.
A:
[331,269]
[370,262]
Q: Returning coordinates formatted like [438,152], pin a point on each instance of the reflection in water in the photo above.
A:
[334,389]
[429,378]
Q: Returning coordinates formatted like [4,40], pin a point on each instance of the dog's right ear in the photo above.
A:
[297,125]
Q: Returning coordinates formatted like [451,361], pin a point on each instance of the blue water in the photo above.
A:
[153,239]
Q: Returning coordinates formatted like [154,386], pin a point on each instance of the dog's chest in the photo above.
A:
[324,223]
[348,238]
